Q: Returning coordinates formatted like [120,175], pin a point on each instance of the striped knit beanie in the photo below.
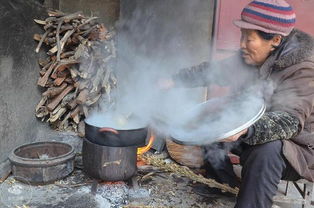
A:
[270,16]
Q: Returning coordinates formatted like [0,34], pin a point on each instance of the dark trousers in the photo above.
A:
[262,168]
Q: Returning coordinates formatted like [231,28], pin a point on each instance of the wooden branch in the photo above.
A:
[62,63]
[44,69]
[58,81]
[63,73]
[37,37]
[75,115]
[53,50]
[61,68]
[51,92]
[58,38]
[97,80]
[55,13]
[84,109]
[69,17]
[68,98]
[93,100]
[67,54]
[99,34]
[58,99]
[49,25]
[67,62]
[74,72]
[86,22]
[50,19]
[69,80]
[75,112]
[66,27]
[82,97]
[43,80]
[76,119]
[85,33]
[43,62]
[72,104]
[81,129]
[50,41]
[41,41]
[41,22]
[55,111]
[42,112]
[41,103]
[56,116]
[64,39]
[64,121]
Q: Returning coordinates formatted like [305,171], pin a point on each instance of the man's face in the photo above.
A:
[254,48]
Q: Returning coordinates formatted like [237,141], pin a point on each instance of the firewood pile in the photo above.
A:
[77,72]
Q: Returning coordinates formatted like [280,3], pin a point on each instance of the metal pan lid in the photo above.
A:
[221,123]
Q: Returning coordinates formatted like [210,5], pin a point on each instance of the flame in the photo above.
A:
[144,149]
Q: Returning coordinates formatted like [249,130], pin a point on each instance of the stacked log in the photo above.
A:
[77,72]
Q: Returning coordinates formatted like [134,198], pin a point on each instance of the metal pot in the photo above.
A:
[115,138]
[109,163]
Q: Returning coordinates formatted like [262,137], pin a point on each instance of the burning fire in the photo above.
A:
[144,149]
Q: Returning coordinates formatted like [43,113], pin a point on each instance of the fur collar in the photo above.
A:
[297,47]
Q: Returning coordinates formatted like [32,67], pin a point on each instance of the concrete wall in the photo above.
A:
[18,76]
[189,22]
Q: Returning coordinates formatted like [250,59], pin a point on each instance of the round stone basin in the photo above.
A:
[42,162]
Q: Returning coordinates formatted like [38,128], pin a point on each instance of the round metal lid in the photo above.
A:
[222,122]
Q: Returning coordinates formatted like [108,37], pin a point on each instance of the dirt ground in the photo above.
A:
[149,188]
[158,189]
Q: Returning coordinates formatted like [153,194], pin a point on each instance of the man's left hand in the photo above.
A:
[235,137]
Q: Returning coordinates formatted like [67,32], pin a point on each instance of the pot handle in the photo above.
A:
[106,129]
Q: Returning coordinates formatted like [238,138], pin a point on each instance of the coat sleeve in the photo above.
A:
[291,105]
[195,76]
[295,95]
[272,126]
[220,73]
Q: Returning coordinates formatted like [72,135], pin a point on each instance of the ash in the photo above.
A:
[115,194]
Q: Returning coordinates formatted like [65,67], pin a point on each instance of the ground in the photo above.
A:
[157,190]
[149,188]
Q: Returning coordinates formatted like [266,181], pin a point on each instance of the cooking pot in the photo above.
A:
[109,136]
[109,163]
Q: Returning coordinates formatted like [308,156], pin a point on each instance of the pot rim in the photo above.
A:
[51,161]
[144,127]
[227,134]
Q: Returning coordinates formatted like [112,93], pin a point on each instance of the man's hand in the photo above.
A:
[235,137]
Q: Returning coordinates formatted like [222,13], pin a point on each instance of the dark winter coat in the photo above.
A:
[292,71]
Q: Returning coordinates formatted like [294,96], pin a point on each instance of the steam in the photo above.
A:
[153,43]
